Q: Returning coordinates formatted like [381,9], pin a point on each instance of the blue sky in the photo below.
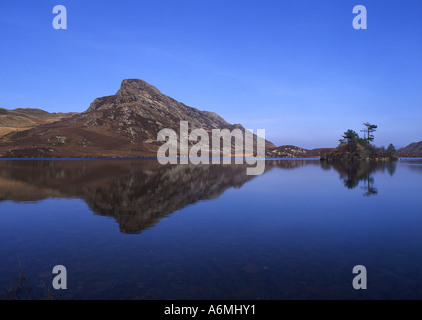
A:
[295,68]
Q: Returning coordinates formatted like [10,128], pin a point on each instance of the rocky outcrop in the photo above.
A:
[290,151]
[287,152]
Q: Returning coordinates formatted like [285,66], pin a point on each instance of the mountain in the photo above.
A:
[122,125]
[26,118]
[412,150]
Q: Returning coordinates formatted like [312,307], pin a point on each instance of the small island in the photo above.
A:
[355,148]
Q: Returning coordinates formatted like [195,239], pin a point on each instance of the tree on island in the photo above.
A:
[349,136]
[370,128]
[391,150]
[352,147]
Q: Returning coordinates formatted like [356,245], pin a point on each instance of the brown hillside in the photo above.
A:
[26,118]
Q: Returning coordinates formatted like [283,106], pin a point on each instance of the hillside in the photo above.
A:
[412,150]
[26,118]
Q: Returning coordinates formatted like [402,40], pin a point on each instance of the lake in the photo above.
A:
[135,229]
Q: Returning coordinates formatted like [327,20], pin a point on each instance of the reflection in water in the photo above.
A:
[352,173]
[137,193]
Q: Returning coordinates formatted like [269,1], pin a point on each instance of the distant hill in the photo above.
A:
[26,118]
[412,150]
[290,151]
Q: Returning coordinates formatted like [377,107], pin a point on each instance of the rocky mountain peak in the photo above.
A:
[137,85]
[138,97]
[133,92]
[137,90]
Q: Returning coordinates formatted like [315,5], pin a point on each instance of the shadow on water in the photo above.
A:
[354,174]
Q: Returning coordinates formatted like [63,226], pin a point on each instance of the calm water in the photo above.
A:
[133,229]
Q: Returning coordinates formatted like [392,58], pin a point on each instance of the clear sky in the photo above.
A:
[296,68]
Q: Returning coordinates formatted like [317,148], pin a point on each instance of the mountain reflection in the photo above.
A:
[352,174]
[136,193]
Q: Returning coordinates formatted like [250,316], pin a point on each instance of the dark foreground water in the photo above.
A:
[134,229]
